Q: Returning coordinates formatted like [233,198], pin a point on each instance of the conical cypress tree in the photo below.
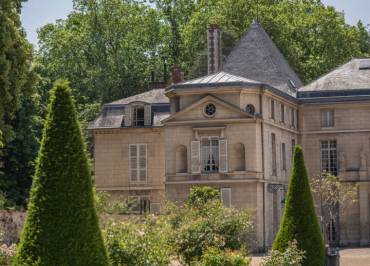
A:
[299,220]
[61,226]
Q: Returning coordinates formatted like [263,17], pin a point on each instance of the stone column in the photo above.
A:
[364,213]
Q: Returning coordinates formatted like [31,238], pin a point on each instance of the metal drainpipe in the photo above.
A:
[263,170]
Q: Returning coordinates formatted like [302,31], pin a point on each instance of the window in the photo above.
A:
[210,110]
[210,154]
[283,156]
[293,147]
[138,162]
[273,154]
[226,197]
[327,118]
[272,109]
[292,117]
[138,116]
[181,159]
[250,109]
[282,113]
[139,204]
[332,231]
[329,156]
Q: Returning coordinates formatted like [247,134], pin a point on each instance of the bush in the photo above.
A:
[299,220]
[140,244]
[61,227]
[196,229]
[292,256]
[217,257]
[200,195]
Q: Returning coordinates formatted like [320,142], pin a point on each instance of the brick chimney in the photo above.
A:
[214,49]
[176,74]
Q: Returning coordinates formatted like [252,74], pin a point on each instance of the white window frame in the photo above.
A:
[221,192]
[210,138]
[138,169]
[332,163]
[327,117]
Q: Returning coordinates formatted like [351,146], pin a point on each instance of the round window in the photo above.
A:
[210,109]
[250,109]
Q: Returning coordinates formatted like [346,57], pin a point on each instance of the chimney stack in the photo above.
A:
[176,74]
[214,49]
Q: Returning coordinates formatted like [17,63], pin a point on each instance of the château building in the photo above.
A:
[235,130]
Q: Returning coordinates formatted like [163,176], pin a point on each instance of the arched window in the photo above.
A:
[181,159]
[239,157]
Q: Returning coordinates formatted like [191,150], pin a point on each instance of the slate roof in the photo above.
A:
[257,57]
[152,96]
[346,77]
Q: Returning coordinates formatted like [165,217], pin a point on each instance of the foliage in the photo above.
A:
[7,254]
[105,205]
[106,49]
[299,220]
[313,37]
[199,228]
[332,194]
[16,75]
[61,226]
[292,256]
[217,257]
[138,243]
[200,195]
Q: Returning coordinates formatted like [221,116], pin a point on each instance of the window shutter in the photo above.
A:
[127,116]
[195,157]
[147,115]
[133,162]
[223,155]
[226,196]
[142,163]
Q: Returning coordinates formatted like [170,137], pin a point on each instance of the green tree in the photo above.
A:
[299,220]
[61,226]
[16,76]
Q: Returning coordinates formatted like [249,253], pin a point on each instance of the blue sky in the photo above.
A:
[37,13]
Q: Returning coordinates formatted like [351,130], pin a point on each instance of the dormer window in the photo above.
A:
[138,118]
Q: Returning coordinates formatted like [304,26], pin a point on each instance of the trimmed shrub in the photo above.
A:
[61,226]
[217,257]
[299,220]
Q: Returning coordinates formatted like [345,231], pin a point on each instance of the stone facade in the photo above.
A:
[237,134]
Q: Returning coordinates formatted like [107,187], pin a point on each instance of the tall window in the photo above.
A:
[293,146]
[282,113]
[272,109]
[329,156]
[138,116]
[138,162]
[139,204]
[283,156]
[327,118]
[292,117]
[273,154]
[226,197]
[210,154]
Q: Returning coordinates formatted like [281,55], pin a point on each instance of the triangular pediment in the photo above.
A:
[196,111]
